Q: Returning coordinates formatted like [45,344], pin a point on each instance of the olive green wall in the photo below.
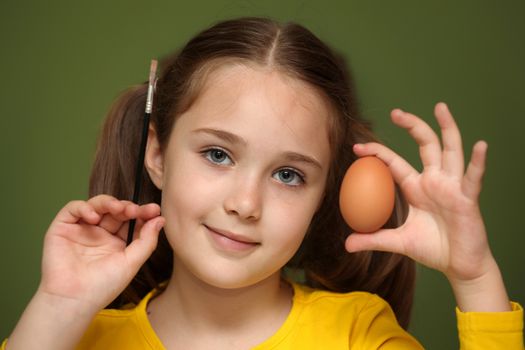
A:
[63,63]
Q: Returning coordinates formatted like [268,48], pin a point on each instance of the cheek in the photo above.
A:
[290,221]
[187,194]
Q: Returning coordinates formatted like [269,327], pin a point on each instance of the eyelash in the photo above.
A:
[207,155]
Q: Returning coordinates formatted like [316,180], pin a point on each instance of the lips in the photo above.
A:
[229,241]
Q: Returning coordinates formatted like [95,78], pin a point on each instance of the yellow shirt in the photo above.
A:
[319,320]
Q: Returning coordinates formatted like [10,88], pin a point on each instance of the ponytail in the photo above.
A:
[117,148]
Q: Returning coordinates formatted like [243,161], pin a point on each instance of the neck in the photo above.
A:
[192,307]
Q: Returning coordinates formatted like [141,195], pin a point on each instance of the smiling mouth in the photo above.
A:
[228,241]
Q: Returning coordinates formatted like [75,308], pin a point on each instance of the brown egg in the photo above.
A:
[367,193]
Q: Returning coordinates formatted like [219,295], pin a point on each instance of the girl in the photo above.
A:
[253,127]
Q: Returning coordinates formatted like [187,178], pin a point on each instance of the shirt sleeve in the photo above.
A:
[491,330]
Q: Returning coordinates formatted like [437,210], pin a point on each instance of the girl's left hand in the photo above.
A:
[444,229]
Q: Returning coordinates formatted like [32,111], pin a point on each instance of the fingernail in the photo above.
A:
[159,225]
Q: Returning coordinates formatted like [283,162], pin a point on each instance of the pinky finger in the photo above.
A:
[471,185]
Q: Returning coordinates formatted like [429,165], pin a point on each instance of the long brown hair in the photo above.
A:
[294,51]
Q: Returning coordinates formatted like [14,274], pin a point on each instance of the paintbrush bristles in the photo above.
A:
[152,72]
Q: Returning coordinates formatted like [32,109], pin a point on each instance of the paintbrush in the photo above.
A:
[143,142]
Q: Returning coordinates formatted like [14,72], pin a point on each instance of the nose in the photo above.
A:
[244,200]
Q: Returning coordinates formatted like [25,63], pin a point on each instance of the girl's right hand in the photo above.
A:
[85,256]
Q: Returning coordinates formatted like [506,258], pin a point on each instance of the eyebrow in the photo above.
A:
[225,135]
[235,139]
[298,157]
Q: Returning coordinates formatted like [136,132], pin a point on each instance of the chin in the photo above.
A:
[228,278]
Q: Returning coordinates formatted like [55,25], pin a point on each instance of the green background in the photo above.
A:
[63,62]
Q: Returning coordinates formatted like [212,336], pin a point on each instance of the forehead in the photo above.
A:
[233,80]
[256,103]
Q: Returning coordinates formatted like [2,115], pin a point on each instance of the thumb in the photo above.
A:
[386,240]
[142,247]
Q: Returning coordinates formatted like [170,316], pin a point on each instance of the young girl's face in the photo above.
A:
[242,175]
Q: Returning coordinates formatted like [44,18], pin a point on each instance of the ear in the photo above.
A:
[153,158]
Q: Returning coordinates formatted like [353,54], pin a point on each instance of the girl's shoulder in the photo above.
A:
[356,301]
[321,319]
[127,328]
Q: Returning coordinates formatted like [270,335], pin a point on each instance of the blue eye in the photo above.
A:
[289,177]
[218,156]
